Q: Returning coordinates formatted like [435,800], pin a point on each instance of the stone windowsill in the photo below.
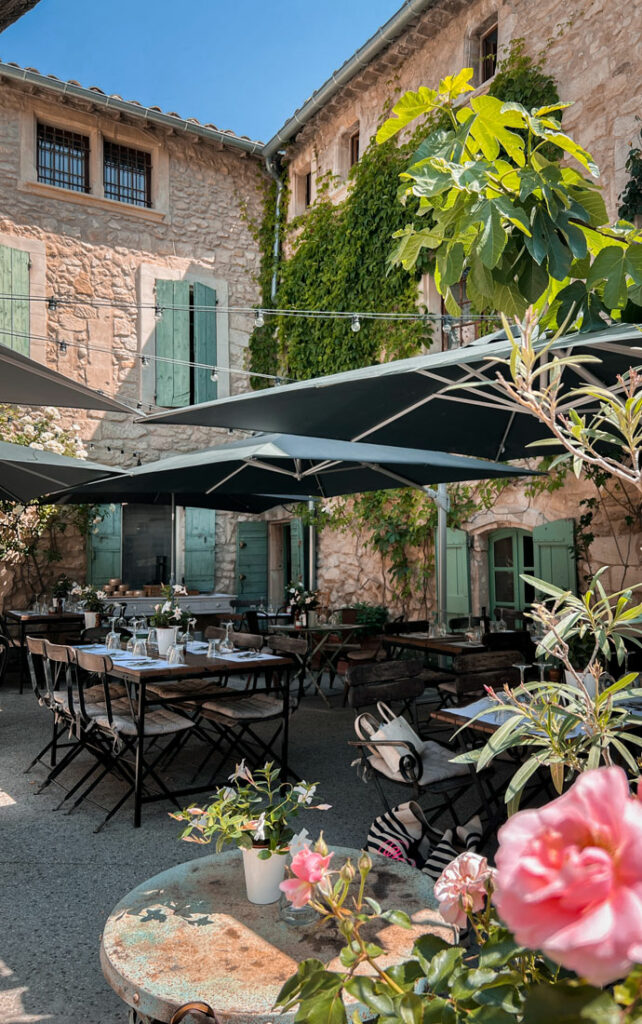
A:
[87,199]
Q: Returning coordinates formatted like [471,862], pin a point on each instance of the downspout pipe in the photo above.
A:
[276,248]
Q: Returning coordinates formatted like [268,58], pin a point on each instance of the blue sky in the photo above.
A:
[244,65]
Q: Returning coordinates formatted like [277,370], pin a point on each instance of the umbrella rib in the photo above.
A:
[378,468]
[43,476]
[235,472]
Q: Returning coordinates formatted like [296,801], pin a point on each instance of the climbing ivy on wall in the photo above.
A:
[631,197]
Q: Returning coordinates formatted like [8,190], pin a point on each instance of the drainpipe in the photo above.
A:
[274,174]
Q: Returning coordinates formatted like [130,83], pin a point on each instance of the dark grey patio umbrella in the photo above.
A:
[23,381]
[29,473]
[411,401]
[303,467]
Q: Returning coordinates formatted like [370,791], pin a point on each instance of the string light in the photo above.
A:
[158,313]
[62,345]
[52,303]
[356,324]
[213,375]
[144,361]
[259,319]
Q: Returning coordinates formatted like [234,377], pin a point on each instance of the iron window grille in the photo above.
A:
[62,158]
[488,54]
[127,174]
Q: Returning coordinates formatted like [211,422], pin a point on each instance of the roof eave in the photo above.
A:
[135,110]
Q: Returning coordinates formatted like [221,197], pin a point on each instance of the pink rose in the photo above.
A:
[309,869]
[462,887]
[569,877]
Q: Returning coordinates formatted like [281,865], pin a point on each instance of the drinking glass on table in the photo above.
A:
[522,666]
[112,639]
[140,647]
[226,644]
[213,648]
[152,638]
[176,654]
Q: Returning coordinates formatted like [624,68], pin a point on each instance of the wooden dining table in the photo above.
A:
[41,623]
[453,644]
[138,676]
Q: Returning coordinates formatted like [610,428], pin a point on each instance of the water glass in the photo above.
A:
[152,639]
[113,641]
[140,648]
[213,648]
[176,654]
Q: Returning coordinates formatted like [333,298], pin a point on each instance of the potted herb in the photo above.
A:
[254,814]
[61,591]
[168,616]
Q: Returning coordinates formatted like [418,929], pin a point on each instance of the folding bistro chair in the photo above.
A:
[118,731]
[293,647]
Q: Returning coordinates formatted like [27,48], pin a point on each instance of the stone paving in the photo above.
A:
[59,880]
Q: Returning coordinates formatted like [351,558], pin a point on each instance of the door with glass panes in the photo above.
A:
[548,553]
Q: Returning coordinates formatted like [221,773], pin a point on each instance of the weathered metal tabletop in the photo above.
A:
[190,933]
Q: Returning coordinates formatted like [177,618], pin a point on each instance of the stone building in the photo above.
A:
[158,216]
[125,237]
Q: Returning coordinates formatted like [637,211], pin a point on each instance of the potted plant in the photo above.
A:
[168,616]
[254,814]
[301,601]
[61,591]
[93,603]
[373,618]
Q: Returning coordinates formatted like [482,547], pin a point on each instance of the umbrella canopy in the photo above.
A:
[124,490]
[302,467]
[26,382]
[29,473]
[412,400]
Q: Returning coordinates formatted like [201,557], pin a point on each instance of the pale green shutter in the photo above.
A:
[298,546]
[252,561]
[14,312]
[205,389]
[458,569]
[172,343]
[200,526]
[105,542]
[554,549]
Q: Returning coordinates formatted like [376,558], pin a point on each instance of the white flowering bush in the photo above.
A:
[30,533]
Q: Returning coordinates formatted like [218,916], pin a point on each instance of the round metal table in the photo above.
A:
[191,933]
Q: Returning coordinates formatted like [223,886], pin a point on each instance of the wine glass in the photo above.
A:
[522,666]
[542,666]
[226,644]
[112,639]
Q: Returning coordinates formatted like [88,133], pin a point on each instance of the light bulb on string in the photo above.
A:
[259,319]
[213,375]
[62,345]
[158,313]
[144,361]
[356,324]
[52,303]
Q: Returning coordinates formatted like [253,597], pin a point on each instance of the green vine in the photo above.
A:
[339,261]
[631,197]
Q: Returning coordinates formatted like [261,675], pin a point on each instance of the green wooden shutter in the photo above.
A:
[252,561]
[105,542]
[172,342]
[298,551]
[200,526]
[14,312]
[458,568]
[555,559]
[205,389]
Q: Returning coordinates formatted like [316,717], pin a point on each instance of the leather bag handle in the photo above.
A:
[182,1011]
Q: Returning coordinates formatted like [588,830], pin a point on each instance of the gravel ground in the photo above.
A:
[59,880]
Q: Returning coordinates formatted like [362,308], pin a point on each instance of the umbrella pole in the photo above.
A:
[172,562]
[312,551]
[440,496]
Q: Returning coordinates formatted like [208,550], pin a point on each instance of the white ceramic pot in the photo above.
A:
[262,877]
[92,619]
[166,635]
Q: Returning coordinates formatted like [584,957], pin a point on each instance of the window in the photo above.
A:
[488,54]
[308,189]
[62,158]
[354,148]
[14,309]
[185,333]
[127,174]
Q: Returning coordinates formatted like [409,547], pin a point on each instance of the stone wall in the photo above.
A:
[89,250]
[591,48]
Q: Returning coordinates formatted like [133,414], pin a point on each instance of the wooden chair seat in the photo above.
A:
[159,722]
[251,707]
[187,688]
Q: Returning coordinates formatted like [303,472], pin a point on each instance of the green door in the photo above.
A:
[510,553]
[105,546]
[555,559]
[252,561]
[200,527]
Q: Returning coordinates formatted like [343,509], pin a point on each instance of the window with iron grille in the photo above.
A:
[62,158]
[127,174]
